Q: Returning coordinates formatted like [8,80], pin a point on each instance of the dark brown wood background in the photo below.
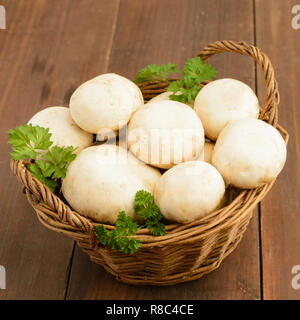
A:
[50,47]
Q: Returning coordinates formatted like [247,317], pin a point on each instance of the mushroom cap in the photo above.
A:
[249,153]
[103,180]
[223,100]
[105,103]
[164,133]
[189,191]
[64,130]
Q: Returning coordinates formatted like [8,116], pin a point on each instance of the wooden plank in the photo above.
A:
[159,32]
[47,49]
[280,210]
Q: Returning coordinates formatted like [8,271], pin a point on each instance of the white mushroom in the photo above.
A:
[249,153]
[164,133]
[103,180]
[223,100]
[105,103]
[189,191]
[64,130]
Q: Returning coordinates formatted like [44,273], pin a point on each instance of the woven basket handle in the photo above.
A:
[270,110]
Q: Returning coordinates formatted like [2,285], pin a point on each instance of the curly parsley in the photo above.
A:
[184,90]
[156,72]
[33,143]
[146,208]
[119,238]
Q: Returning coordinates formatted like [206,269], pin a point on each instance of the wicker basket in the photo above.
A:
[186,252]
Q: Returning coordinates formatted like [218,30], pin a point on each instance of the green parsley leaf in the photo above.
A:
[156,228]
[146,208]
[57,159]
[196,70]
[36,171]
[175,86]
[156,72]
[185,90]
[102,234]
[194,73]
[33,142]
[46,168]
[118,239]
[21,153]
[28,140]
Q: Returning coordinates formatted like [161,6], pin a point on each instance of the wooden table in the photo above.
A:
[50,47]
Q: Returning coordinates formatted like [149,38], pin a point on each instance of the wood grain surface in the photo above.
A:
[45,54]
[50,47]
[280,219]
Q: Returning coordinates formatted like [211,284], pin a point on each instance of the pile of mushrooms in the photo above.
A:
[185,155]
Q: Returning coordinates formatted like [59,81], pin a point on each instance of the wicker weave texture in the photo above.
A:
[186,252]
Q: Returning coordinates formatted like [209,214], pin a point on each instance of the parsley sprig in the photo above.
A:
[119,238]
[195,71]
[33,143]
[28,140]
[156,72]
[146,208]
[184,90]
